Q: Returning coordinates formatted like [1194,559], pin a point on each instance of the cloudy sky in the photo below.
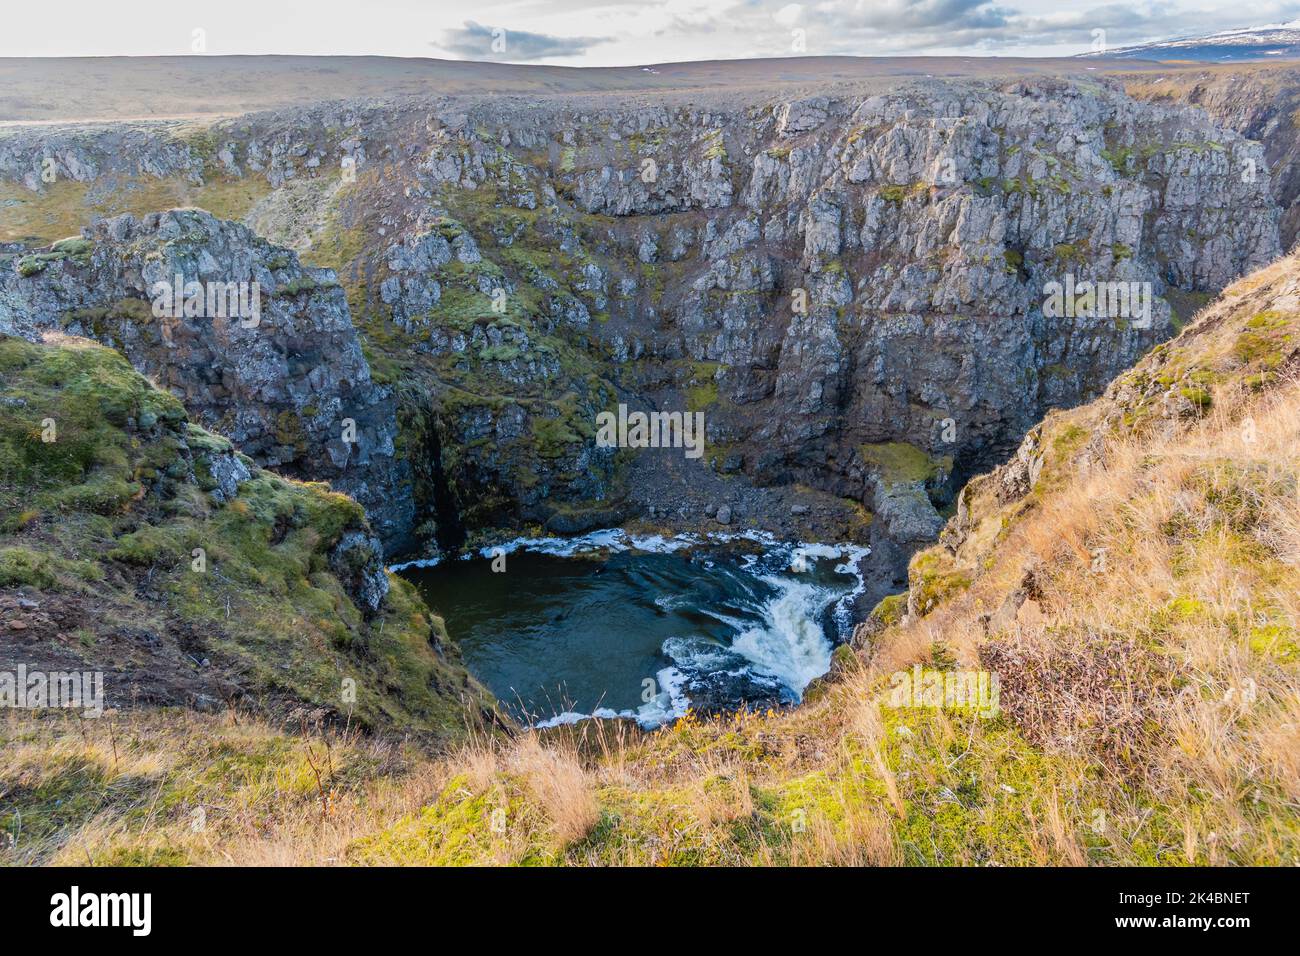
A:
[614,32]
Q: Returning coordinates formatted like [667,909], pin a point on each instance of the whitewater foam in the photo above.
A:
[788,642]
[790,645]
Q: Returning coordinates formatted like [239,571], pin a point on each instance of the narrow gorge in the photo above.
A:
[850,287]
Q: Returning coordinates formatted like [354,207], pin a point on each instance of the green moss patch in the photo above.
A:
[112,481]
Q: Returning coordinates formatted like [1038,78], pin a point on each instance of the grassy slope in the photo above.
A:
[1138,603]
[66,206]
[98,529]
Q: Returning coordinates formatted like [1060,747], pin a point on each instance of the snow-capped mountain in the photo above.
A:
[1274,41]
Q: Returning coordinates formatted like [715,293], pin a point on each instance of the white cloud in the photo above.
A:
[624,32]
[788,15]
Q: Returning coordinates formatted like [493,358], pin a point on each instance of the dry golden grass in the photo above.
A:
[1225,726]
[559,784]
[1156,567]
[722,794]
[164,786]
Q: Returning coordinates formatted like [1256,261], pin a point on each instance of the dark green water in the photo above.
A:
[609,628]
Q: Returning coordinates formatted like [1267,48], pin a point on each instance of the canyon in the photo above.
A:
[849,288]
[996,367]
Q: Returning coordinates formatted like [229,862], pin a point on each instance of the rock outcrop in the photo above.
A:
[1257,103]
[258,347]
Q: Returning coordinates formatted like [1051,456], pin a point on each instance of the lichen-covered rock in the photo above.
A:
[1260,105]
[908,513]
[220,468]
[358,561]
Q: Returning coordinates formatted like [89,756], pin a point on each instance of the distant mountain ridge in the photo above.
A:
[1273,41]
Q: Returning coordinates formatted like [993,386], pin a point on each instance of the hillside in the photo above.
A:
[135,542]
[1130,576]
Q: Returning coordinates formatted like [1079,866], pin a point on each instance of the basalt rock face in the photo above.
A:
[258,347]
[1260,104]
[830,273]
[826,278]
[96,154]
[923,230]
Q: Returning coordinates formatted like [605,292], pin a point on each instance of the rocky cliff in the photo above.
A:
[1259,102]
[257,347]
[850,287]
[1102,664]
